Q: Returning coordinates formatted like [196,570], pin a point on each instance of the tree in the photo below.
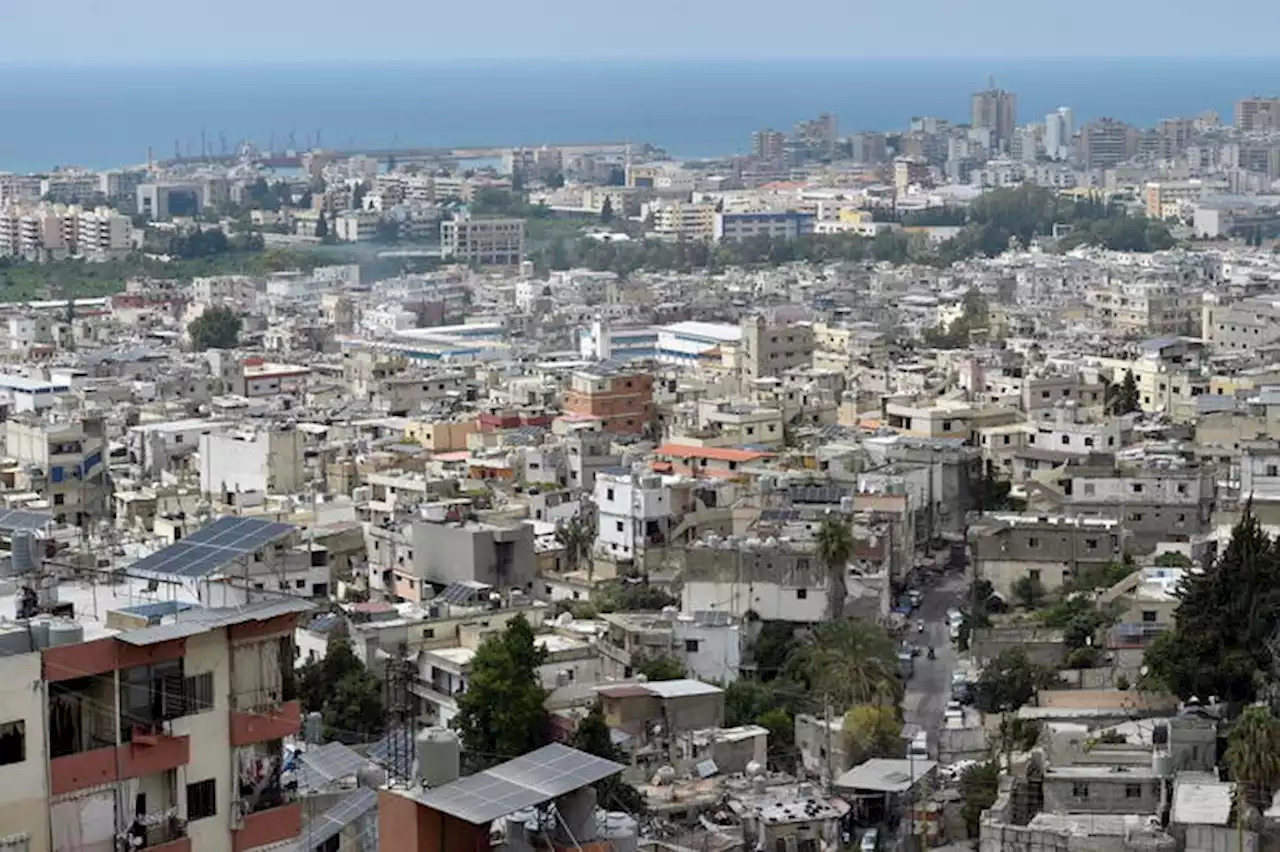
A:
[594,737]
[979,786]
[873,730]
[1225,621]
[1173,559]
[606,211]
[501,714]
[662,668]
[322,226]
[773,646]
[577,535]
[216,328]
[1009,682]
[1125,398]
[345,693]
[846,663]
[781,725]
[1028,591]
[555,180]
[835,548]
[1253,755]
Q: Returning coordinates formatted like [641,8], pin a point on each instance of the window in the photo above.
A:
[1033,542]
[1066,439]
[1133,791]
[608,495]
[13,742]
[1273,470]
[802,594]
[1006,439]
[691,646]
[428,633]
[946,425]
[618,524]
[1137,487]
[1135,517]
[1088,442]
[202,800]
[1091,543]
[198,690]
[1182,488]
[1148,616]
[59,499]
[1080,791]
[299,584]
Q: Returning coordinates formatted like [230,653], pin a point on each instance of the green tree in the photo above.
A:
[662,668]
[1174,559]
[1224,623]
[979,786]
[1125,398]
[1253,755]
[872,730]
[345,693]
[1029,592]
[322,227]
[216,328]
[848,662]
[1009,682]
[577,535]
[606,211]
[773,646]
[501,715]
[783,754]
[593,736]
[835,548]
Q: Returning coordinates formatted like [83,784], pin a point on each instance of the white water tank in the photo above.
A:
[577,810]
[38,629]
[439,757]
[25,556]
[620,832]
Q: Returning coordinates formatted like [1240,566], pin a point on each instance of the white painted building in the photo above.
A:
[263,462]
[631,513]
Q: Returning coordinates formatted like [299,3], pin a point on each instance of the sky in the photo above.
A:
[237,31]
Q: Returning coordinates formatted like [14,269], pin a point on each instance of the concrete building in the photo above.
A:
[1059,130]
[735,227]
[995,110]
[681,220]
[1257,115]
[483,241]
[413,557]
[621,397]
[1007,548]
[707,645]
[262,461]
[770,350]
[634,513]
[63,462]
[1106,142]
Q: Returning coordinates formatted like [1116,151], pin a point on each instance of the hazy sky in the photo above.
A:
[138,31]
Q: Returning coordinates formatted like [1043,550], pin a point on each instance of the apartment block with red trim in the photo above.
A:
[157,725]
[621,396]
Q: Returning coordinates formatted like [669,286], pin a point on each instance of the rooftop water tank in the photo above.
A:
[371,775]
[577,811]
[439,757]
[63,631]
[38,630]
[26,558]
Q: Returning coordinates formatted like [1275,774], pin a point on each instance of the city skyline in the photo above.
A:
[91,32]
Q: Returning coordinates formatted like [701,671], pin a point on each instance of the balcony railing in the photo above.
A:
[157,829]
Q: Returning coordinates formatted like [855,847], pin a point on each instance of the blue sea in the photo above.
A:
[101,117]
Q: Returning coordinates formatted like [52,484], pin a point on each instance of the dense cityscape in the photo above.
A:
[868,490]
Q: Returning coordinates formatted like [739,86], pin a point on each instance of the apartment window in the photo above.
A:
[1080,791]
[1137,487]
[608,495]
[946,425]
[1272,470]
[1033,542]
[428,633]
[59,499]
[1088,442]
[202,800]
[691,646]
[1007,439]
[13,742]
[1066,440]
[1091,543]
[198,692]
[1182,488]
[1135,516]
[1148,616]
[802,594]
[1044,394]
[618,524]
[1133,791]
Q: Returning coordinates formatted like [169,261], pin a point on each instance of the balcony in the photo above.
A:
[161,832]
[262,721]
[267,826]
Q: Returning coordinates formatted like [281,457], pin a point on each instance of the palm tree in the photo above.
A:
[835,547]
[577,535]
[1253,755]
[849,662]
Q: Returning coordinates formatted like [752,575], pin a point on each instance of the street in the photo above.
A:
[930,688]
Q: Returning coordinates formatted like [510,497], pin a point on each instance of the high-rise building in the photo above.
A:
[769,145]
[1107,142]
[1059,127]
[820,135]
[1257,114]
[996,110]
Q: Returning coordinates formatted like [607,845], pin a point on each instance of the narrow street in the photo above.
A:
[929,689]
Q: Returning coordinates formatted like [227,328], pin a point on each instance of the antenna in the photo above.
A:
[401,732]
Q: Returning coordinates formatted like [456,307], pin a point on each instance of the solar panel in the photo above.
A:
[348,809]
[396,746]
[330,762]
[212,547]
[12,520]
[458,593]
[529,780]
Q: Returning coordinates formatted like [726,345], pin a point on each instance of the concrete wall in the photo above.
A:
[210,734]
[24,789]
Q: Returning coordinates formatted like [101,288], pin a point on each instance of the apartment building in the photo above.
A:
[768,350]
[483,241]
[621,397]
[1257,114]
[70,186]
[683,221]
[1050,549]
[997,111]
[412,558]
[159,726]
[1154,504]
[1106,142]
[633,513]
[707,644]
[1151,307]
[51,231]
[63,462]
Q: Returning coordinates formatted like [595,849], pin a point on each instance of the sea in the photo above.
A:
[103,117]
